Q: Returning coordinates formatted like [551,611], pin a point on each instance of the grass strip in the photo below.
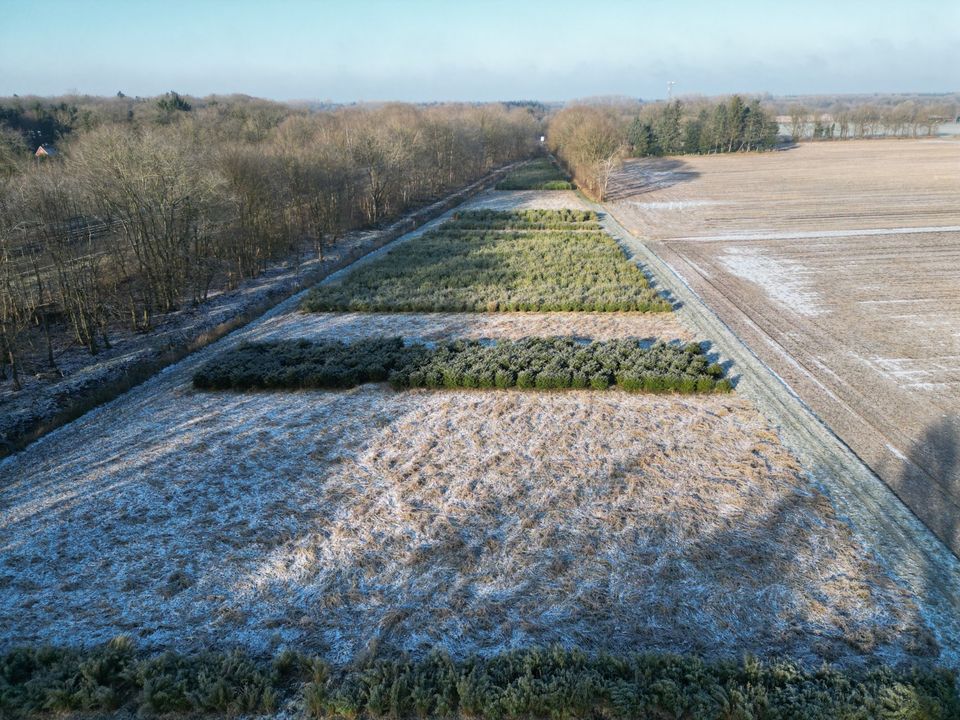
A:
[532,683]
[531,363]
[540,174]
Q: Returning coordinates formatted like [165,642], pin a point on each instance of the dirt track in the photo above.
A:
[839,265]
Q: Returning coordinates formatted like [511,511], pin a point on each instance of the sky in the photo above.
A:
[479,50]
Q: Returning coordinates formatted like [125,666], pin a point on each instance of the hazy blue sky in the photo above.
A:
[476,50]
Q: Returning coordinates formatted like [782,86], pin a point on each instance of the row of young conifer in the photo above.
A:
[552,683]
[496,261]
[531,363]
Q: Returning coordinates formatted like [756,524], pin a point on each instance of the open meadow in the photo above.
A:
[362,522]
[838,264]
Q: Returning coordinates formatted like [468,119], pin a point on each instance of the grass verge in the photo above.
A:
[533,683]
[532,363]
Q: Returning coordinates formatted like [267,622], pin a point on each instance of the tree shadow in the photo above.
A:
[636,177]
[938,450]
[715,587]
[929,479]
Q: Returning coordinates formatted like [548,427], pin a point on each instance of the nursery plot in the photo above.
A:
[348,523]
[540,174]
[838,264]
[489,261]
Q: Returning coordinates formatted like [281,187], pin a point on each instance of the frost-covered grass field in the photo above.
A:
[475,521]
[349,523]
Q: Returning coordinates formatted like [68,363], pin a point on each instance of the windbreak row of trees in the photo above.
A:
[592,139]
[867,120]
[133,219]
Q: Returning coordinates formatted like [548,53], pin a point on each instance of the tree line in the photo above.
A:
[151,205]
[592,139]
[868,120]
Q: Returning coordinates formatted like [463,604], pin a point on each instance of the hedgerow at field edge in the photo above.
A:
[489,261]
[288,364]
[531,683]
[532,363]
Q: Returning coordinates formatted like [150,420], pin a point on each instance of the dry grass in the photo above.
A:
[526,200]
[438,326]
[476,521]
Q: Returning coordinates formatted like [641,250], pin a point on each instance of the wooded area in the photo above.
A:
[152,204]
[848,117]
[592,139]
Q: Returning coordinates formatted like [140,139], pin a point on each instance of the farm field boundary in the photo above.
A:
[907,548]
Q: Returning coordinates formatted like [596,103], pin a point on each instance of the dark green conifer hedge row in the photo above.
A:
[540,363]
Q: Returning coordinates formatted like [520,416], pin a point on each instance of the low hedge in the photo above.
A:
[40,680]
[533,363]
[304,364]
[563,363]
[529,219]
[534,683]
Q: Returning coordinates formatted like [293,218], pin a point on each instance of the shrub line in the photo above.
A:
[531,683]
[532,363]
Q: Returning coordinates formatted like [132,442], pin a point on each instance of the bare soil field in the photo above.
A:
[839,265]
[353,522]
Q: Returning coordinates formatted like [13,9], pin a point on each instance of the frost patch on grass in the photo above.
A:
[428,327]
[525,200]
[344,522]
[783,280]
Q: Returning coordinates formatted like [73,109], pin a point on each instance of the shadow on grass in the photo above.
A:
[640,176]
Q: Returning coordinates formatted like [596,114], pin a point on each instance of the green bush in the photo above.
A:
[491,261]
[539,174]
[518,685]
[540,363]
[304,364]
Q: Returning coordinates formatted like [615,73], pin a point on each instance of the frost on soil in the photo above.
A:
[782,279]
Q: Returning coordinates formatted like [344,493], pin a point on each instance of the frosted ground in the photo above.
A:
[367,520]
[837,264]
